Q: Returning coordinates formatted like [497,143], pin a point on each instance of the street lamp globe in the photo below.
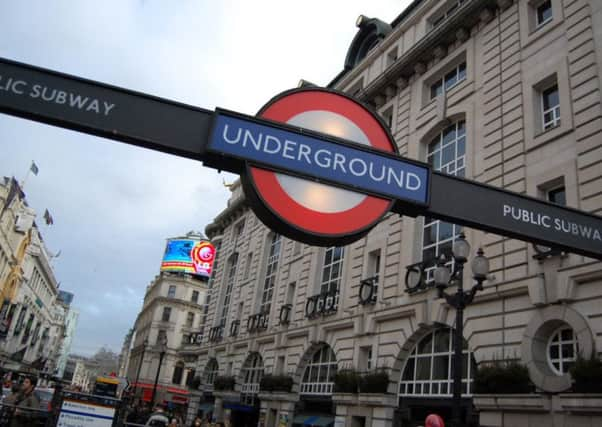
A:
[461,248]
[442,273]
[480,266]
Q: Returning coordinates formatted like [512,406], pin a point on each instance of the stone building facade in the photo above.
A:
[172,310]
[32,318]
[503,92]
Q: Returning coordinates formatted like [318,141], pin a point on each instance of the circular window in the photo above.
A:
[552,341]
[562,350]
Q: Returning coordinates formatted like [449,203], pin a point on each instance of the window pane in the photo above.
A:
[430,235]
[436,89]
[426,345]
[551,98]
[462,71]
[435,160]
[566,334]
[544,12]
[408,372]
[449,154]
[442,343]
[567,351]
[440,367]
[558,196]
[423,368]
[445,230]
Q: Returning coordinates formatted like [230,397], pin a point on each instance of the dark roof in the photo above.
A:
[400,18]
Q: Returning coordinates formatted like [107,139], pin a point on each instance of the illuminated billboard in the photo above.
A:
[189,256]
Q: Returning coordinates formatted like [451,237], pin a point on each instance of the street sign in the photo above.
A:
[315,212]
[325,174]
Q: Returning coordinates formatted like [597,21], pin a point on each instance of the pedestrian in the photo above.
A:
[26,404]
[197,422]
[158,418]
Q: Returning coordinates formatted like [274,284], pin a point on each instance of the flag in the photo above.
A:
[34,168]
[48,218]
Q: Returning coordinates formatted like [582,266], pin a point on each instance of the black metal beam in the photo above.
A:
[96,108]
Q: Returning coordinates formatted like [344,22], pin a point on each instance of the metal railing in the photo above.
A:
[317,388]
[27,416]
[324,304]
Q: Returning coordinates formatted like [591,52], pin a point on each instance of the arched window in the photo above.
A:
[429,368]
[562,350]
[445,153]
[178,372]
[211,370]
[271,270]
[251,373]
[318,378]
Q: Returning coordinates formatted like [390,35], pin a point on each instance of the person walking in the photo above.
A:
[158,418]
[26,404]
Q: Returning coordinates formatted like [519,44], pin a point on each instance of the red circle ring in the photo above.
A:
[352,221]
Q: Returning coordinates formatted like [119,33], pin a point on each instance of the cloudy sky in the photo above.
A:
[113,204]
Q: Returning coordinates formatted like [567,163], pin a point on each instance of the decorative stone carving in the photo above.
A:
[419,68]
[390,92]
[504,4]
[401,83]
[462,35]
[440,51]
[486,16]
[379,101]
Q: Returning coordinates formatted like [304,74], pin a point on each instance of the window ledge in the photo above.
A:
[548,135]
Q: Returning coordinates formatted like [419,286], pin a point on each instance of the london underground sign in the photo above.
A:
[320,212]
[316,165]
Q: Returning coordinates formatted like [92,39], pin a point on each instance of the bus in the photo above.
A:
[107,386]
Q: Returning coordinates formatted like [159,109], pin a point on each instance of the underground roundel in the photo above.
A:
[309,211]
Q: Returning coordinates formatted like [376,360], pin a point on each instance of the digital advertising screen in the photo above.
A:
[189,256]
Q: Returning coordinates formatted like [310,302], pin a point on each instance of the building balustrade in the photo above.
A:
[368,290]
[257,322]
[234,328]
[322,304]
[216,333]
[284,317]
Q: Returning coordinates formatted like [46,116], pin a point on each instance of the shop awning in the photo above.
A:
[169,389]
[313,420]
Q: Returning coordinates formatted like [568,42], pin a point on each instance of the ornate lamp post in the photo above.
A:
[144,345]
[162,350]
[459,300]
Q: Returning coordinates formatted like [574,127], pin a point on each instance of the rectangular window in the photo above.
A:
[166,314]
[195,297]
[238,230]
[190,319]
[550,105]
[558,196]
[271,271]
[446,153]
[161,336]
[365,362]
[332,273]
[543,13]
[229,285]
[171,293]
[248,265]
[449,80]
